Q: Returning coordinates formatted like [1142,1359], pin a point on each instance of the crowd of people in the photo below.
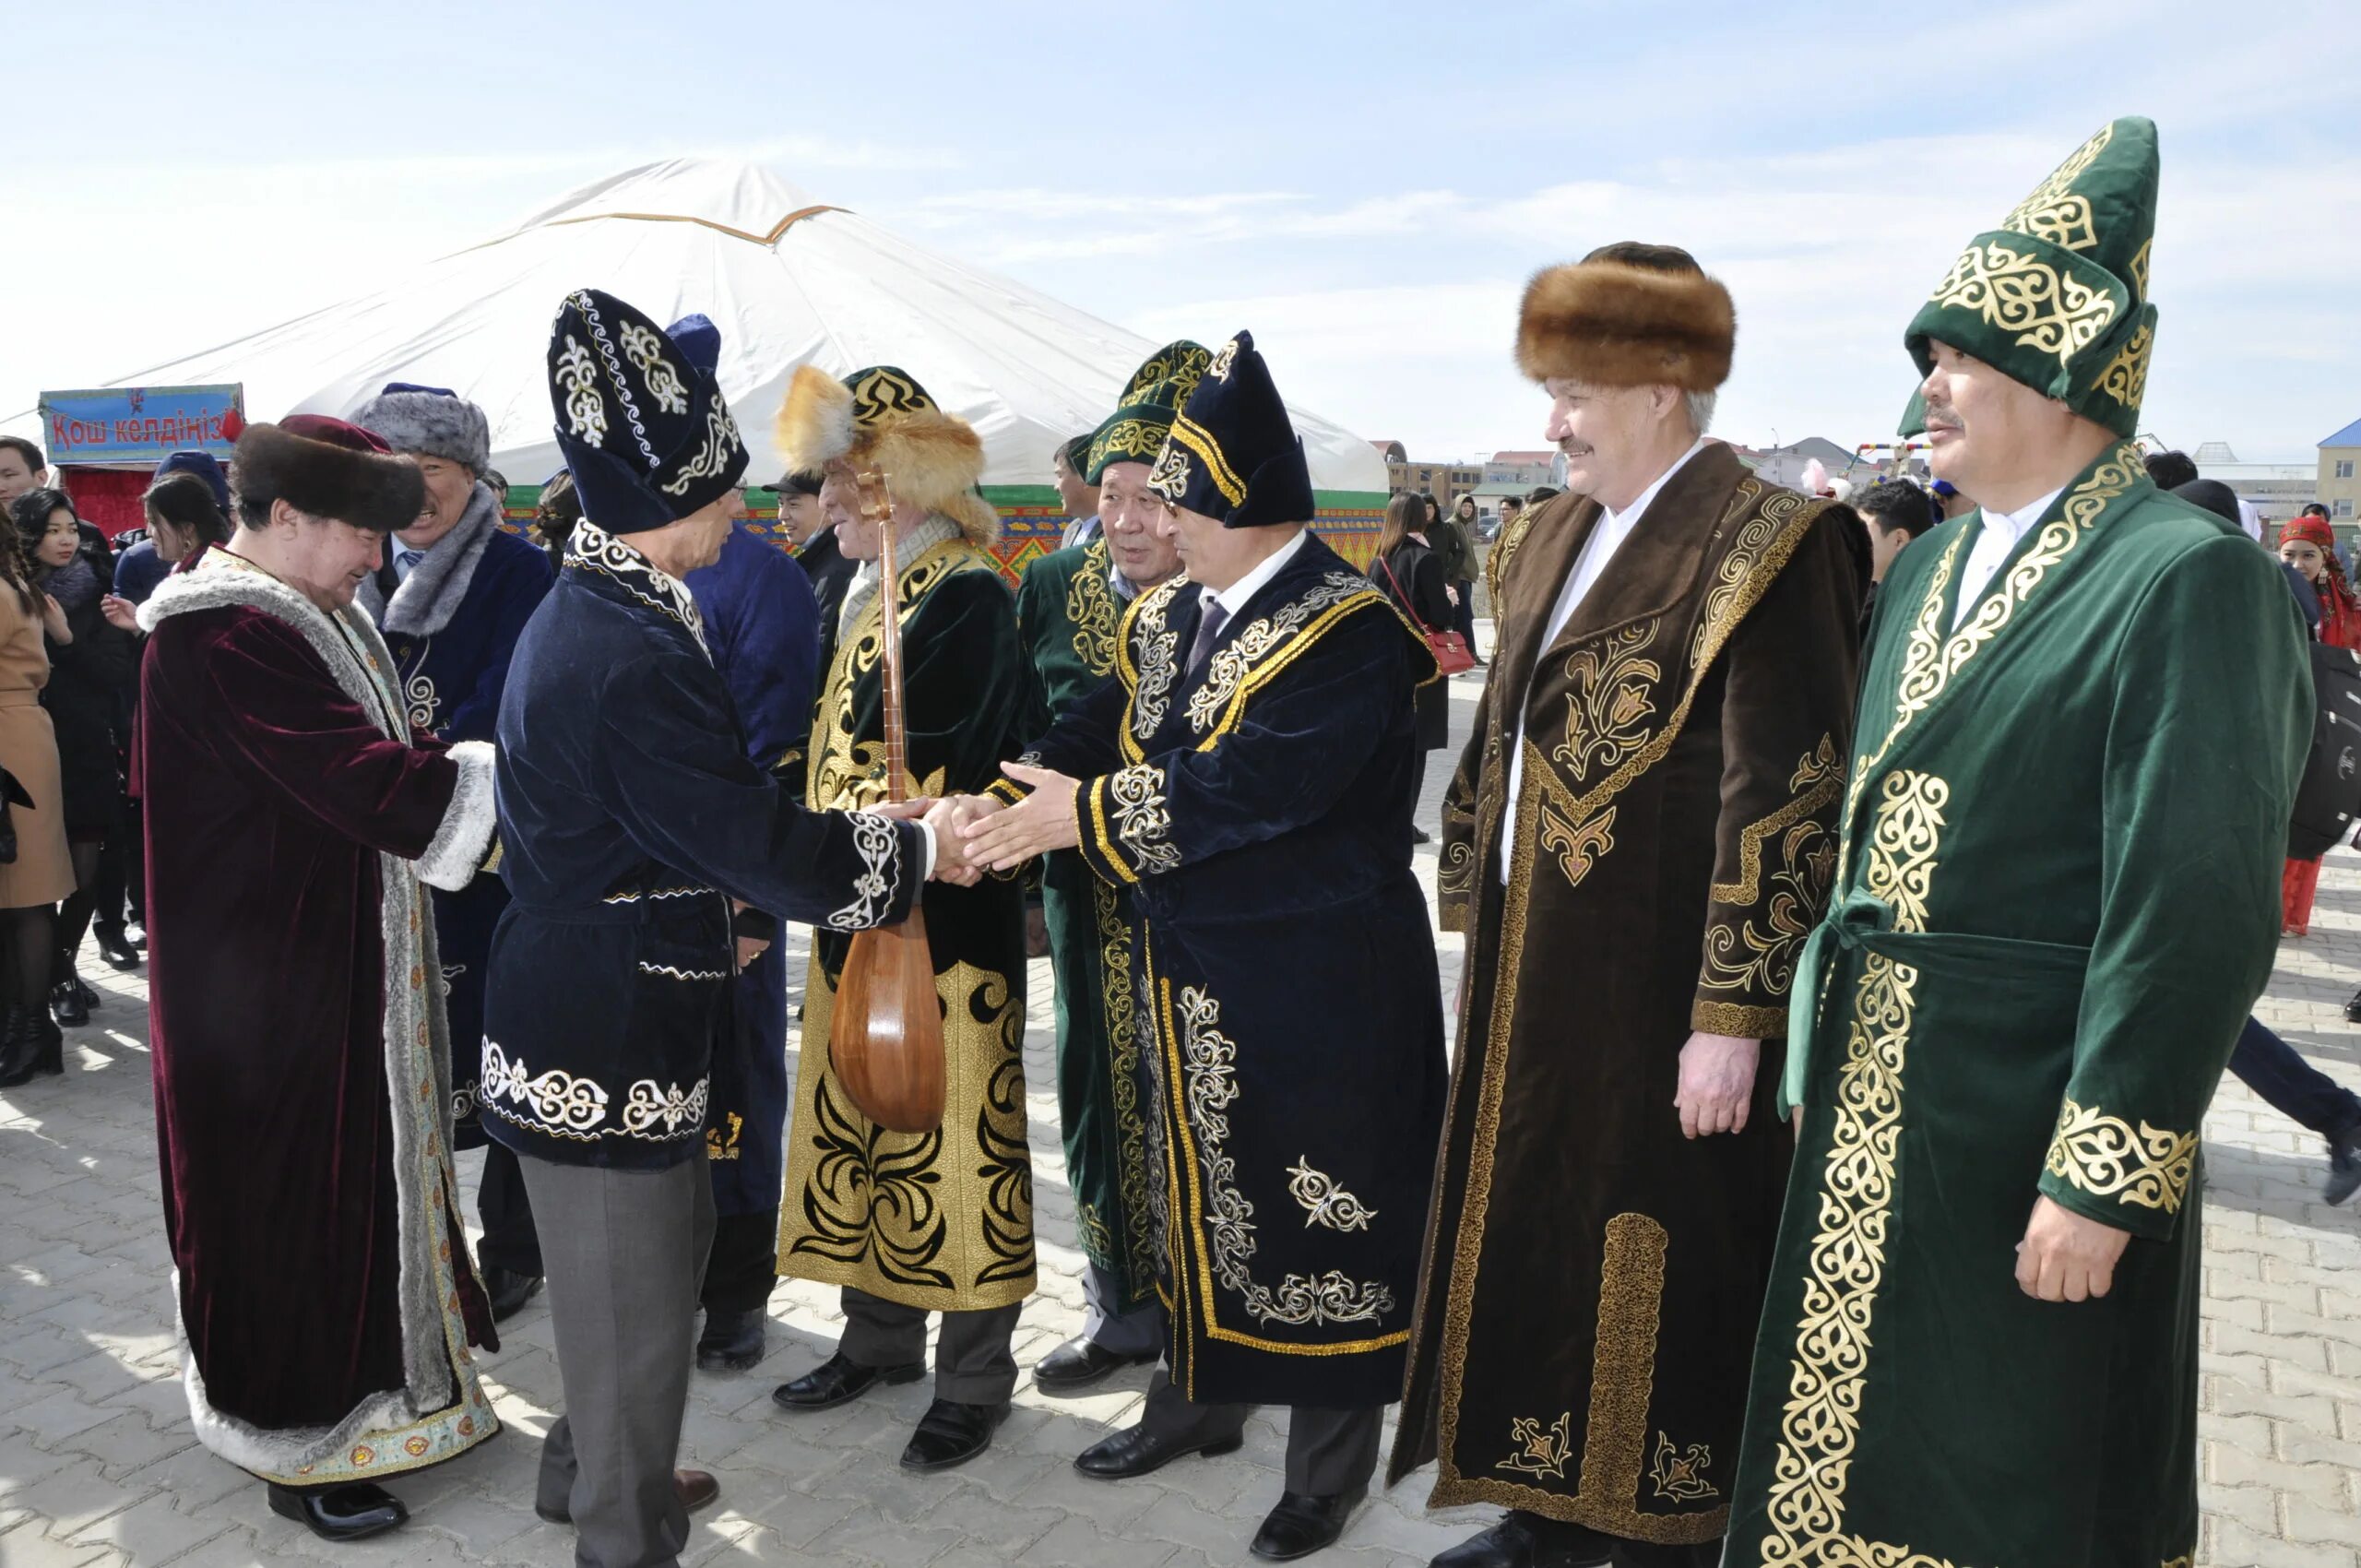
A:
[1816,1175]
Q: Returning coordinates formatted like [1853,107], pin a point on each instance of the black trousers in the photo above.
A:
[743,1266]
[506,1210]
[2300,1091]
[123,875]
[974,1363]
[1329,1451]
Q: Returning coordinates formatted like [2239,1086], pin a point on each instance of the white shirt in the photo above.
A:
[1605,539]
[1995,538]
[1233,598]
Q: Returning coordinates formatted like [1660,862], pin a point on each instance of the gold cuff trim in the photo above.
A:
[2100,1155]
[1739,1023]
[1006,791]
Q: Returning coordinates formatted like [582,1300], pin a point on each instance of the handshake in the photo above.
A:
[974,834]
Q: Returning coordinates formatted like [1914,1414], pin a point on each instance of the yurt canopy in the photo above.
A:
[787,279]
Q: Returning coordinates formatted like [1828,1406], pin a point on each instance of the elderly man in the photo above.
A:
[452,600]
[909,1224]
[1068,607]
[2056,896]
[302,1064]
[631,820]
[1635,843]
[1248,776]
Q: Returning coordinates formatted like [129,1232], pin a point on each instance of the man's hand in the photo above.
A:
[748,949]
[1717,1082]
[1042,822]
[2065,1257]
[952,864]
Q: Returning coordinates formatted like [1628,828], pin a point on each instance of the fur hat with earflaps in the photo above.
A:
[328,468]
[1628,314]
[432,422]
[882,418]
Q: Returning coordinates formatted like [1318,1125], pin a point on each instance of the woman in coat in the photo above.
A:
[2308,544]
[1410,572]
[41,873]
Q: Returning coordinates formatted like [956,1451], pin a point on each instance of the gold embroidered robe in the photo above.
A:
[1592,1278]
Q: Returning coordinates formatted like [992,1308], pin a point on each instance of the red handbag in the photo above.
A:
[1451,650]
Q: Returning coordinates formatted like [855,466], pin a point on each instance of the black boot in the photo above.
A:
[49,1042]
[115,947]
[19,1049]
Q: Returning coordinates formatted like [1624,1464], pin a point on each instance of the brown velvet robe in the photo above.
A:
[1592,1278]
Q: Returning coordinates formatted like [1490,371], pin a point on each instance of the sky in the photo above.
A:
[1367,186]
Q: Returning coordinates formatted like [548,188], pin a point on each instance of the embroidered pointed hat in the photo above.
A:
[643,425]
[1233,453]
[882,418]
[1134,433]
[2057,296]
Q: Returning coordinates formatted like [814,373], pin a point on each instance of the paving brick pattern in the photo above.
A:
[99,1467]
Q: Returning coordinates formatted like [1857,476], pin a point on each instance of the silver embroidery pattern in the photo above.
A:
[586,412]
[635,897]
[668,971]
[873,889]
[582,301]
[1223,360]
[1230,664]
[1142,821]
[1155,653]
[555,1103]
[419,696]
[646,351]
[650,1104]
[1209,1063]
[596,550]
[1323,1201]
[1169,477]
[720,440]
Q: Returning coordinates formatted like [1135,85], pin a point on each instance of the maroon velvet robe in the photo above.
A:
[301,1061]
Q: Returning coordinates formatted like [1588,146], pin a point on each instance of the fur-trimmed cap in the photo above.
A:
[432,422]
[1628,314]
[882,418]
[328,468]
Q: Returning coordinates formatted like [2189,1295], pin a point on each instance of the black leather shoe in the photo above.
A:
[65,1005]
[1136,1451]
[951,1433]
[509,1291]
[19,1048]
[695,1489]
[732,1341]
[1304,1522]
[1420,836]
[2343,1165]
[836,1380]
[116,948]
[1527,1540]
[348,1512]
[1079,1363]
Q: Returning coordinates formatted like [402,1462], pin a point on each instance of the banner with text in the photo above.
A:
[138,424]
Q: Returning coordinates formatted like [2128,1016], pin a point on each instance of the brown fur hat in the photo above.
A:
[1628,314]
[882,418]
[328,468]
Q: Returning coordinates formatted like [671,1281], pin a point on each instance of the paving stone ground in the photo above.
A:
[99,1467]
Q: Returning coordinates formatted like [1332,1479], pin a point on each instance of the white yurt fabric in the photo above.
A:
[789,279]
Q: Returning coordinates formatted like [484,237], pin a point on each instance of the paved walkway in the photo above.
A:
[98,1466]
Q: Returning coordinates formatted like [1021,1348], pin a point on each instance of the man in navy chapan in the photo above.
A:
[1248,775]
[630,820]
[763,625]
[452,597]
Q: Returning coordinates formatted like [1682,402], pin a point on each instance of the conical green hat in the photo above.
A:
[1134,433]
[2057,296]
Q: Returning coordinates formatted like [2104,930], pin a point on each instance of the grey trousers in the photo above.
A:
[1329,1451]
[625,1253]
[1135,1333]
[973,1361]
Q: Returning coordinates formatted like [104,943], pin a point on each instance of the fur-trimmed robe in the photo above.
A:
[302,1063]
[1592,1278]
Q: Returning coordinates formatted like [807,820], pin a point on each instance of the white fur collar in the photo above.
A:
[430,596]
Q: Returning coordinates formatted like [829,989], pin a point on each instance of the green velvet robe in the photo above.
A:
[1066,618]
[943,1219]
[2057,901]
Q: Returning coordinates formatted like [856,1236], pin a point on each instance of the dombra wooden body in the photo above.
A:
[887,1038]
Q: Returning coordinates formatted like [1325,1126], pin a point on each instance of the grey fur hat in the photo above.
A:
[432,420]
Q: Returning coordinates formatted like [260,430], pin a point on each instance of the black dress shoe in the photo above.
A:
[1304,1522]
[509,1290]
[1420,836]
[345,1513]
[1136,1451]
[1079,1363]
[2343,1165]
[116,948]
[1529,1540]
[732,1341]
[836,1380]
[951,1433]
[65,1005]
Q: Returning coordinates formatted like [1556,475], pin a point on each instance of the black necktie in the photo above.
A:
[1211,618]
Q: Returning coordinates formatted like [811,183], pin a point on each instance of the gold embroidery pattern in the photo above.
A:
[847,771]
[2102,1155]
[2125,379]
[1323,1201]
[2050,310]
[1265,636]
[1142,820]
[2053,212]
[1679,1474]
[1623,1360]
[1577,848]
[1819,1426]
[2139,282]
[1540,1451]
[1608,710]
[1121,1010]
[1761,959]
[1816,772]
[1097,1240]
[1090,609]
[1763,524]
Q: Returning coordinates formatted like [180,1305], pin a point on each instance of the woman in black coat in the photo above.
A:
[88,699]
[1410,572]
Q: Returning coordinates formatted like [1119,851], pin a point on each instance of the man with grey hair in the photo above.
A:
[1639,837]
